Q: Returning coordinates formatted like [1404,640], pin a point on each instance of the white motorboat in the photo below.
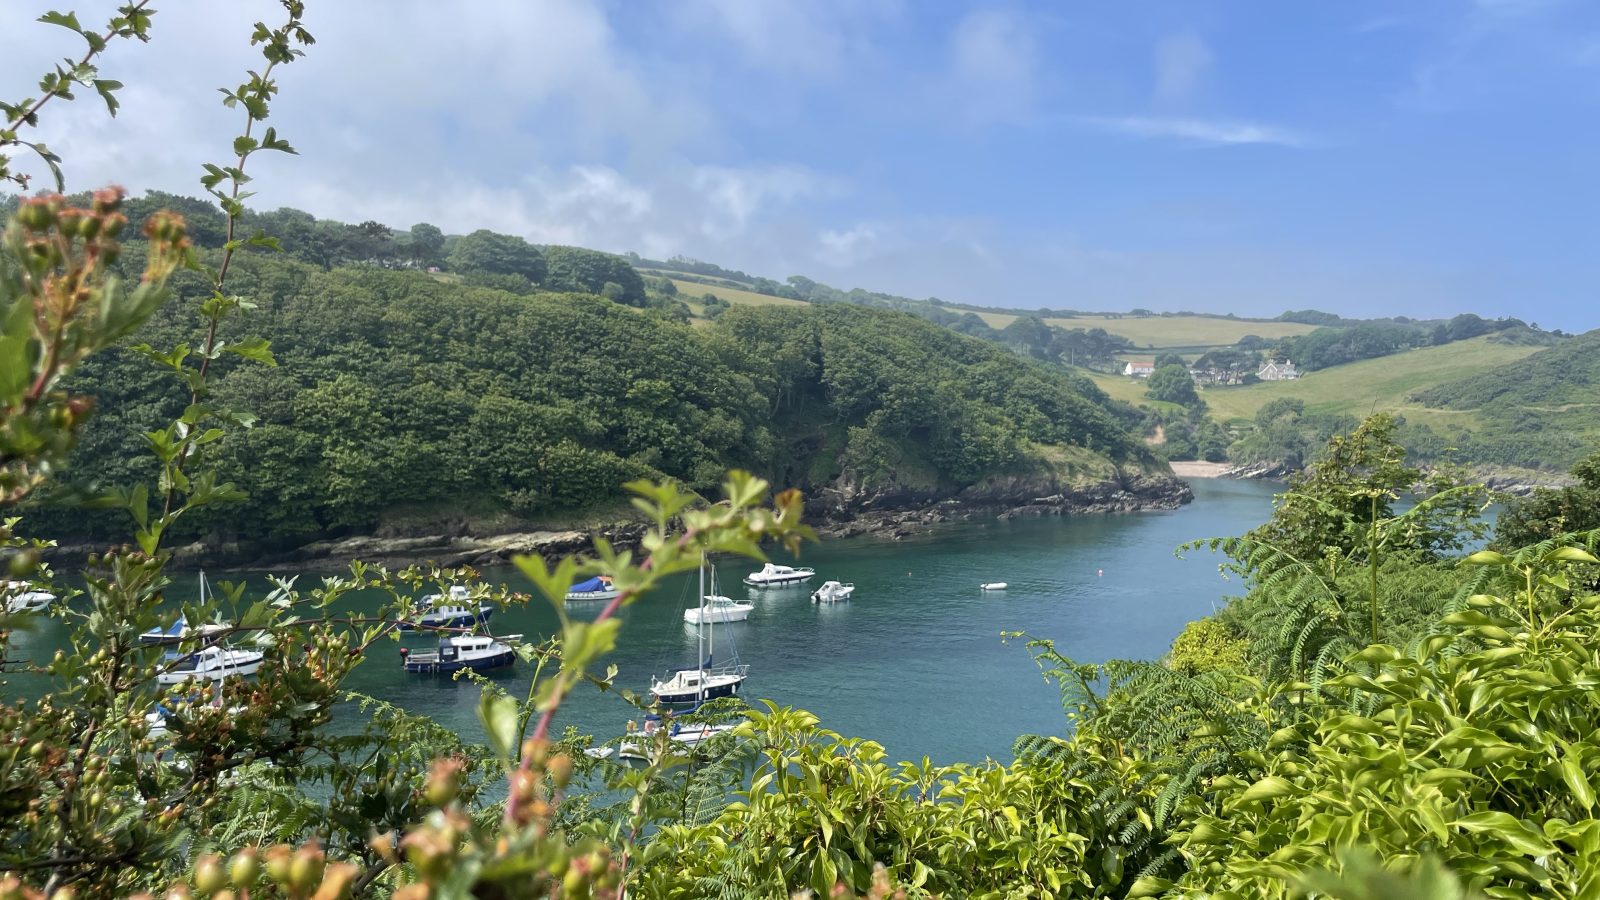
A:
[596,588]
[833,592]
[705,681]
[718,609]
[993,586]
[475,652]
[456,612]
[210,664]
[774,575]
[21,597]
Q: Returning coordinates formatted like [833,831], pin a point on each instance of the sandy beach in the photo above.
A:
[1197,469]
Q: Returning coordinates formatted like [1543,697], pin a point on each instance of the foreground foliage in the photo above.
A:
[1375,718]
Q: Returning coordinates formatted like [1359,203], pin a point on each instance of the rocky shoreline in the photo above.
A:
[844,511]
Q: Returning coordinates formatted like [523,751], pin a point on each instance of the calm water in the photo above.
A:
[915,660]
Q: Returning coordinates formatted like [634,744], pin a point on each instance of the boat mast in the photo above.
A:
[700,633]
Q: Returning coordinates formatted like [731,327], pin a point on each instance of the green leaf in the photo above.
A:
[498,713]
[1572,773]
[1268,788]
[1524,837]
[67,20]
[1569,554]
[107,89]
[1486,558]
[256,348]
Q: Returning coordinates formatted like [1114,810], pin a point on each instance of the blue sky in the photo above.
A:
[1372,158]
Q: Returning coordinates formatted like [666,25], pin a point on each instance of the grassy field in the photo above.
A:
[1358,388]
[696,290]
[1162,332]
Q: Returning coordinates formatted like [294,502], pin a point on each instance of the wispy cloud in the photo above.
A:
[994,65]
[1204,131]
[1181,62]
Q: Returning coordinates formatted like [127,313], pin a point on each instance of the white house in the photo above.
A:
[1139,368]
[1278,371]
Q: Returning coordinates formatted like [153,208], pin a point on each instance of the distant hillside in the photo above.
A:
[1542,411]
[405,402]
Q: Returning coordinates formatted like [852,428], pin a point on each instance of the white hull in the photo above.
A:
[993,586]
[695,685]
[772,575]
[20,599]
[718,614]
[832,592]
[594,595]
[214,664]
[686,736]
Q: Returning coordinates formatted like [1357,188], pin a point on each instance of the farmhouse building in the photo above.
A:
[1278,371]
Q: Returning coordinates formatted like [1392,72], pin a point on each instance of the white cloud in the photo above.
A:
[1181,63]
[817,37]
[842,249]
[733,196]
[1203,131]
[994,65]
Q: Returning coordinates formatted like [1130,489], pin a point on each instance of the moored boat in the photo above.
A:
[476,652]
[718,609]
[833,592]
[210,664]
[20,596]
[992,586]
[641,743]
[181,631]
[457,611]
[774,575]
[705,681]
[596,588]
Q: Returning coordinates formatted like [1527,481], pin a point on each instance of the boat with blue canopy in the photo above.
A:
[596,588]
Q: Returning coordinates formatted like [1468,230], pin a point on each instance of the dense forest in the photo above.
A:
[402,397]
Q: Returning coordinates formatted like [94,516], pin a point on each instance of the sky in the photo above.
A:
[1420,158]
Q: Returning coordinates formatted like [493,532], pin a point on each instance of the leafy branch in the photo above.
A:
[132,21]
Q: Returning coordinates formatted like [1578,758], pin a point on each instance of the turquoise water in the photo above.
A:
[915,660]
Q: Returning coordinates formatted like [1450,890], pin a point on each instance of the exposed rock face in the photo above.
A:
[847,508]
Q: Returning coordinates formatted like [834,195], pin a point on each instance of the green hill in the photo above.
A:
[1542,411]
[1356,389]
[402,401]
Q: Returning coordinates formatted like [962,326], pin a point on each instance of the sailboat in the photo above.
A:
[705,681]
[181,631]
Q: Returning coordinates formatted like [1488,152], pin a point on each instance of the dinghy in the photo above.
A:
[993,586]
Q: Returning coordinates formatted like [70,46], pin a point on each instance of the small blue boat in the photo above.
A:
[476,652]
